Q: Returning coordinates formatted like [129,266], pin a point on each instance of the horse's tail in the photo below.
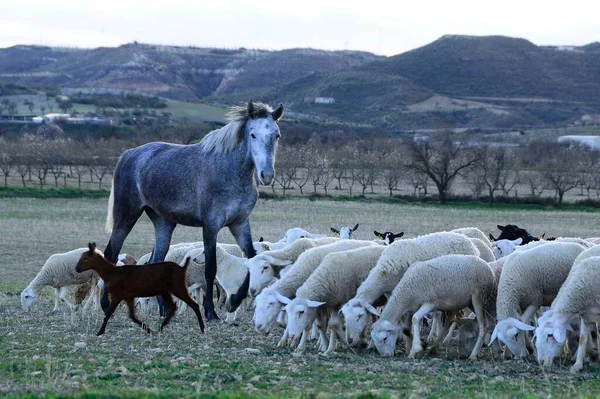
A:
[111,202]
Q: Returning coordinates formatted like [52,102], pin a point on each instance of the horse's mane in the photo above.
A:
[225,139]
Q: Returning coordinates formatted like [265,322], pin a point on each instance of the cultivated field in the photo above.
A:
[42,352]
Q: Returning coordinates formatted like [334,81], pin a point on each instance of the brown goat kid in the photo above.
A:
[127,283]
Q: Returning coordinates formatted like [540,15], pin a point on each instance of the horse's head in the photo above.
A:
[262,134]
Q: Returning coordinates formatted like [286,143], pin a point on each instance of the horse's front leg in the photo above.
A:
[210,271]
[243,237]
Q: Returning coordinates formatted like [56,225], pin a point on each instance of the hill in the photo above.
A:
[496,66]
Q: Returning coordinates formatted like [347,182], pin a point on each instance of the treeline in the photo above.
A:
[128,100]
[438,167]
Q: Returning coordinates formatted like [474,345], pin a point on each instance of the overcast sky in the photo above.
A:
[382,27]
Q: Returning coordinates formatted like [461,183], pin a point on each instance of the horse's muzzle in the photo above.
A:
[266,178]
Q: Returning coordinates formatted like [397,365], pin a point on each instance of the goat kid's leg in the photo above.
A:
[111,309]
[416,327]
[184,295]
[131,305]
[171,308]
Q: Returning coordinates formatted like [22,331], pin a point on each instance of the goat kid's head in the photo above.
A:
[88,259]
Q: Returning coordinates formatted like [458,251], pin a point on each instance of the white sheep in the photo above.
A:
[389,270]
[58,272]
[268,303]
[447,283]
[578,299]
[331,285]
[473,232]
[529,279]
[296,233]
[266,267]
[485,251]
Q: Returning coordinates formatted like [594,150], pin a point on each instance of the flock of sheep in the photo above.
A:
[346,292]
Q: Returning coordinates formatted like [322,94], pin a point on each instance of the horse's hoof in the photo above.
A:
[211,316]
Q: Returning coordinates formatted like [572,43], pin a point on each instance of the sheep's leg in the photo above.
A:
[283,339]
[63,298]
[332,342]
[56,300]
[434,330]
[92,296]
[450,332]
[184,295]
[416,326]
[114,303]
[478,308]
[302,345]
[131,306]
[323,343]
[584,331]
[442,334]
[314,331]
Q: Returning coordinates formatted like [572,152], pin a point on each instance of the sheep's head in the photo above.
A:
[263,269]
[301,313]
[267,310]
[28,299]
[345,232]
[550,337]
[356,316]
[260,247]
[502,248]
[384,335]
[510,332]
[388,237]
[296,233]
[468,331]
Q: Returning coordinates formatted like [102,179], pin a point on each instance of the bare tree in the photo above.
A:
[442,161]
[557,172]
[42,109]
[474,177]
[7,161]
[417,180]
[12,108]
[392,171]
[492,168]
[535,180]
[286,168]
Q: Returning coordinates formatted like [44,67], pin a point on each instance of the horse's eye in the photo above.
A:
[252,135]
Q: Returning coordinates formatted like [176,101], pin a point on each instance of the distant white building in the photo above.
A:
[324,100]
[592,142]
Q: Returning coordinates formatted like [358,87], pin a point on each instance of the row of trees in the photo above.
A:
[358,167]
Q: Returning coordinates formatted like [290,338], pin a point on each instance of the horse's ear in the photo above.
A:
[277,113]
[355,227]
[92,246]
[250,108]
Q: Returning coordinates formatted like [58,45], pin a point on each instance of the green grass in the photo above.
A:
[31,192]
[40,359]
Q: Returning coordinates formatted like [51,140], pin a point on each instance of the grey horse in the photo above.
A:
[210,184]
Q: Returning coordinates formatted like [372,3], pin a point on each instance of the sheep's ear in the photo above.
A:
[372,310]
[282,299]
[559,335]
[314,304]
[492,238]
[265,247]
[276,261]
[355,227]
[334,231]
[378,234]
[398,235]
[522,326]
[518,241]
[494,334]
[261,239]
[501,228]
[542,236]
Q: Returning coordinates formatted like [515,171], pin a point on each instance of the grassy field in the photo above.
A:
[59,353]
